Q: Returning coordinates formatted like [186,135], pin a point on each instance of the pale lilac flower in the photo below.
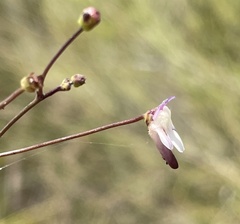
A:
[163,132]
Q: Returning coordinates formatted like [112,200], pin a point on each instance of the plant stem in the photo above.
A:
[11,97]
[27,108]
[19,91]
[40,95]
[70,137]
[61,50]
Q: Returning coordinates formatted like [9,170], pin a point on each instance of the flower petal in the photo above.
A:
[161,106]
[165,102]
[165,139]
[167,155]
[176,140]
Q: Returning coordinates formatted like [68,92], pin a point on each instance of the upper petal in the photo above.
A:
[165,102]
[163,120]
[161,106]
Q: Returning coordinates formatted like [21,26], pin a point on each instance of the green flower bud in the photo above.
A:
[30,83]
[66,85]
[89,18]
[78,80]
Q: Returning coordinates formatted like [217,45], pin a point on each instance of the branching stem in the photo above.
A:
[27,108]
[40,96]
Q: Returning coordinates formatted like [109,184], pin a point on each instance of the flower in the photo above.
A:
[163,132]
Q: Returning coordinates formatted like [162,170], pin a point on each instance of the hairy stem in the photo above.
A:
[70,137]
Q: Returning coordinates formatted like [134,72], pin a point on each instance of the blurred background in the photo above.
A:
[141,53]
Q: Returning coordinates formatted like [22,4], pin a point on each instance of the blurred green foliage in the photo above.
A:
[141,53]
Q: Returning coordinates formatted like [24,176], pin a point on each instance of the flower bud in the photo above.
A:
[78,80]
[66,85]
[89,18]
[30,83]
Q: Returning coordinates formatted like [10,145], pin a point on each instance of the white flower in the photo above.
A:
[163,132]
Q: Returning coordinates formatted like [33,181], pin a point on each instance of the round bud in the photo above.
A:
[65,85]
[30,83]
[78,80]
[89,18]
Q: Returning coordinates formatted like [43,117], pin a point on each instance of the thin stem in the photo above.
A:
[26,109]
[19,91]
[19,115]
[61,50]
[40,95]
[11,97]
[70,137]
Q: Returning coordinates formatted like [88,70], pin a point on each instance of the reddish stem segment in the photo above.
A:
[11,97]
[27,108]
[70,137]
[61,50]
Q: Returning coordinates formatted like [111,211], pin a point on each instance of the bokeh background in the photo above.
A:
[141,53]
